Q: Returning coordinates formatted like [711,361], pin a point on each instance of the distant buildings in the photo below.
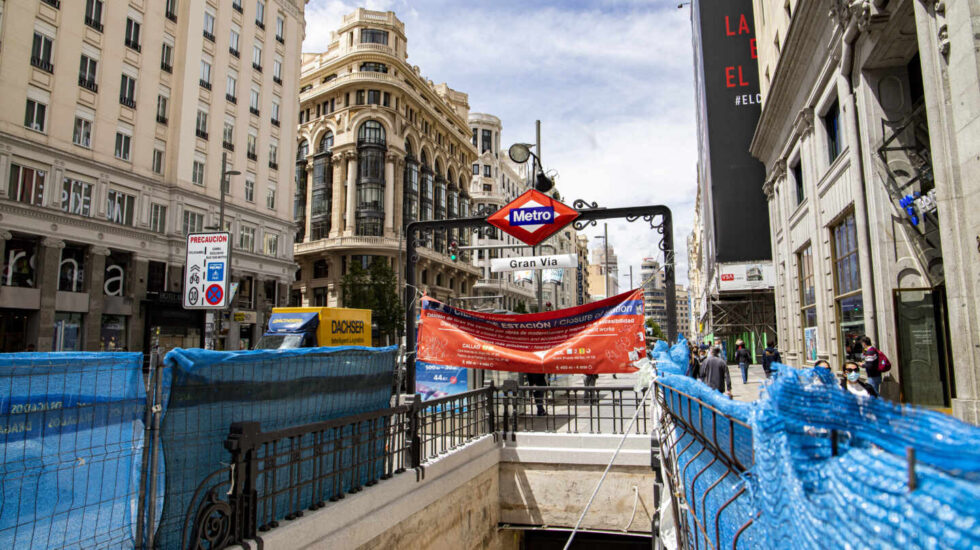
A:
[655,298]
[603,271]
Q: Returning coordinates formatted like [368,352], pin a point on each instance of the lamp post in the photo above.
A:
[225,183]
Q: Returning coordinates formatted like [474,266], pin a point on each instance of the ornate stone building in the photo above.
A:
[111,152]
[869,133]
[379,146]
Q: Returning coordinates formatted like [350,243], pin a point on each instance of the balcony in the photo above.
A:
[161,119]
[127,101]
[231,98]
[251,155]
[200,133]
[256,66]
[237,6]
[42,64]
[97,25]
[171,16]
[88,83]
[233,52]
[280,39]
[254,111]
[56,4]
[133,45]
[275,122]
[277,80]
[205,84]
[273,165]
[228,145]
[209,36]
[259,24]
[166,67]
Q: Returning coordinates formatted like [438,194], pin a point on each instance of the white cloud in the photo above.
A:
[611,81]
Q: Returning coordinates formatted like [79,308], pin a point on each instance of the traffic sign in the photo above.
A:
[533,217]
[207,270]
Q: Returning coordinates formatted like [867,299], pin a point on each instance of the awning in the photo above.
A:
[293,322]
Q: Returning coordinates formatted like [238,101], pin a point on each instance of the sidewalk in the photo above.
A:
[750,391]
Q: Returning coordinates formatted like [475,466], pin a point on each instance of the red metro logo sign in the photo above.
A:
[533,217]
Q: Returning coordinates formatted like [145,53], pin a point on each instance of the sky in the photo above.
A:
[610,80]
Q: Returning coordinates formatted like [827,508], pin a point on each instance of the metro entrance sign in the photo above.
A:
[207,270]
[533,217]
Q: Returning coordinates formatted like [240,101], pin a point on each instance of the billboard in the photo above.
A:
[747,276]
[728,110]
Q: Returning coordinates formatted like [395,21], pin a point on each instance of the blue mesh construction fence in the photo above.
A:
[277,388]
[72,431]
[813,466]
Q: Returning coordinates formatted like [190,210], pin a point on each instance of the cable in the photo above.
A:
[636,498]
[619,447]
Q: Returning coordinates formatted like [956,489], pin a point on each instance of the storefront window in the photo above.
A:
[808,303]
[847,288]
[113,334]
[19,262]
[925,375]
[245,292]
[67,332]
[72,271]
[319,296]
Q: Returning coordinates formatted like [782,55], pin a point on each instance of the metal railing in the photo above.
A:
[728,443]
[567,409]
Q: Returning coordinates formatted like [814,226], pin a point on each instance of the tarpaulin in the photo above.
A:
[602,337]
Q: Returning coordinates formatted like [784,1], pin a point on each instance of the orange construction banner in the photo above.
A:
[602,337]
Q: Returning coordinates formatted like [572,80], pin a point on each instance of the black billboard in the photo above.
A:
[728,85]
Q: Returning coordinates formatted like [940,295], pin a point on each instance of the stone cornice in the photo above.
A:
[803,125]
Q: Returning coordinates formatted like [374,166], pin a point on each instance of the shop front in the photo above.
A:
[168,325]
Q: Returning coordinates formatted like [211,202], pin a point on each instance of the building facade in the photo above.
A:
[603,275]
[379,146]
[559,288]
[583,293]
[495,182]
[869,133]
[111,152]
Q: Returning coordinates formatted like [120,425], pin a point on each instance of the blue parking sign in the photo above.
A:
[216,271]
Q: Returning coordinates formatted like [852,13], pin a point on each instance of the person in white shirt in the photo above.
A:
[852,381]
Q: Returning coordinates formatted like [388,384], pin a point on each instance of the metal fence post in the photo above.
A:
[413,432]
[156,410]
[141,502]
[491,404]
[243,497]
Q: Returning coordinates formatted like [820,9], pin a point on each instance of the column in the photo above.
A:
[95,271]
[351,192]
[337,197]
[4,237]
[389,195]
[47,281]
[140,269]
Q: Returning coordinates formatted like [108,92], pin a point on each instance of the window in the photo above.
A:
[72,269]
[27,185]
[371,132]
[209,25]
[162,102]
[270,197]
[273,155]
[228,135]
[201,126]
[487,171]
[233,41]
[246,238]
[158,155]
[374,36]
[253,101]
[374,97]
[76,197]
[271,245]
[359,97]
[231,86]
[250,189]
[373,67]
[167,58]
[831,124]
[82,135]
[193,222]
[476,169]
[206,73]
[124,143]
[41,52]
[808,296]
[132,34]
[386,101]
[252,139]
[93,14]
[171,10]
[848,302]
[277,70]
[487,139]
[275,111]
[86,73]
[319,296]
[35,115]
[197,172]
[280,28]
[127,91]
[120,207]
[474,140]
[158,218]
[257,57]
[260,14]
[237,4]
[797,171]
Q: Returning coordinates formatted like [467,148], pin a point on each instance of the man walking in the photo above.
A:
[538,379]
[744,359]
[770,355]
[714,372]
[875,363]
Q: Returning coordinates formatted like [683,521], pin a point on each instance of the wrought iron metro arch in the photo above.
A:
[658,216]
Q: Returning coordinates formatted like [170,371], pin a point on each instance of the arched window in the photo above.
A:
[372,133]
[326,143]
[410,205]
[302,150]
[370,179]
[439,200]
[426,191]
[299,197]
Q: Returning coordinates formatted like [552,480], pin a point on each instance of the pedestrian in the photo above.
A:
[852,381]
[30,348]
[714,372]
[770,355]
[744,359]
[538,379]
[822,364]
[875,363]
[694,365]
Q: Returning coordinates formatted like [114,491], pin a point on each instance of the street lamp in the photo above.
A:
[225,184]
[519,153]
